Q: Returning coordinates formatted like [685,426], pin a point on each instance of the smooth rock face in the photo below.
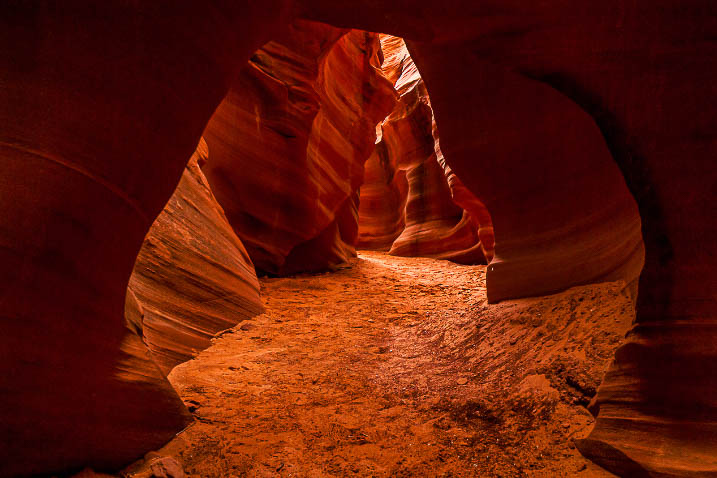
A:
[101,106]
[536,104]
[407,204]
[472,206]
[545,99]
[193,276]
[558,95]
[289,143]
[382,207]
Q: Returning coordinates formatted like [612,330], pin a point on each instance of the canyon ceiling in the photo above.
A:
[586,129]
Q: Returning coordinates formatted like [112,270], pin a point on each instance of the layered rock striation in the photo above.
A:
[407,199]
[592,130]
[101,106]
[193,277]
[565,120]
[289,144]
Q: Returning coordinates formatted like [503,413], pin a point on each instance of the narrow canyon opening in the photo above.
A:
[366,346]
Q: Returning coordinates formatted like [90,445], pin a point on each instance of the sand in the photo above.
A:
[398,367]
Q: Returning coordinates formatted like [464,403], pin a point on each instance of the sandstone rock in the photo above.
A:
[383,201]
[96,125]
[166,467]
[289,143]
[576,116]
[409,205]
[472,206]
[193,276]
[536,104]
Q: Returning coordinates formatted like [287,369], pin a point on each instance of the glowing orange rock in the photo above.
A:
[409,204]
[538,103]
[289,143]
[193,277]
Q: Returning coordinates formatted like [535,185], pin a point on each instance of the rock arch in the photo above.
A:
[103,104]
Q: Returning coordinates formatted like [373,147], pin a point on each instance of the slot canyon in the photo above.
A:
[321,238]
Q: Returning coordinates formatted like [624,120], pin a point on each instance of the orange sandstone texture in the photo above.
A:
[193,277]
[538,104]
[408,200]
[383,201]
[289,143]
[585,129]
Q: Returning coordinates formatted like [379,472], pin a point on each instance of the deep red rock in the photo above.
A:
[538,103]
[101,106]
[565,110]
[289,143]
[193,276]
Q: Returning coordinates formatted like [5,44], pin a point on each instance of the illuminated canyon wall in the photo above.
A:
[407,202]
[289,144]
[564,120]
[193,278]
[563,110]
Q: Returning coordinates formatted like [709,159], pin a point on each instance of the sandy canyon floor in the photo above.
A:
[398,367]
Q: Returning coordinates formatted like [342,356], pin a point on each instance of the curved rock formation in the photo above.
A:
[472,206]
[383,201]
[193,277]
[102,103]
[559,97]
[544,243]
[289,143]
[409,205]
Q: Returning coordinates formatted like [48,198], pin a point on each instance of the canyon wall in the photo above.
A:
[407,202]
[586,129]
[554,115]
[101,106]
[289,144]
[193,278]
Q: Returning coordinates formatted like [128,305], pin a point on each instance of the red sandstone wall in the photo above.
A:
[546,97]
[289,143]
[407,203]
[101,106]
[193,277]
[568,109]
[383,201]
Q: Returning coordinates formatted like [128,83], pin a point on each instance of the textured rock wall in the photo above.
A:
[289,143]
[407,204]
[383,201]
[472,206]
[101,106]
[565,110]
[193,277]
[538,105]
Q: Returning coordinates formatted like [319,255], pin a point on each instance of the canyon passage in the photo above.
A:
[172,171]
[396,366]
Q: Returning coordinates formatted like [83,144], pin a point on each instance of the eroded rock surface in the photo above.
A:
[193,277]
[289,144]
[575,118]
[407,200]
[101,106]
[536,103]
